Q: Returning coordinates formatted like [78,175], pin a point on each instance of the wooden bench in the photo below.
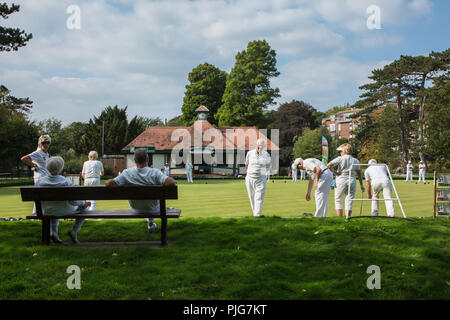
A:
[161,193]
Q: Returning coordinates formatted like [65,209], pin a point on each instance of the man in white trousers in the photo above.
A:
[302,174]
[294,172]
[257,162]
[409,171]
[188,167]
[422,169]
[377,180]
[321,177]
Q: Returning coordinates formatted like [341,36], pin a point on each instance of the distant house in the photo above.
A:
[341,125]
[212,150]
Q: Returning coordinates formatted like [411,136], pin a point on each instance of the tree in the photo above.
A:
[139,124]
[115,133]
[248,93]
[291,118]
[206,87]
[437,128]
[309,145]
[11,38]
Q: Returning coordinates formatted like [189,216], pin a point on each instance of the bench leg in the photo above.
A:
[46,231]
[163,231]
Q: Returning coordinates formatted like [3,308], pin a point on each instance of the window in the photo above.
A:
[339,127]
[332,127]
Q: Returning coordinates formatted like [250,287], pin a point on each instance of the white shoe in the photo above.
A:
[153,228]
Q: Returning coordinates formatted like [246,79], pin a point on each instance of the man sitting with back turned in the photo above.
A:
[142,175]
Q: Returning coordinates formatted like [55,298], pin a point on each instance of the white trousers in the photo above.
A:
[189,176]
[386,187]
[92,182]
[322,194]
[294,175]
[421,175]
[409,176]
[256,188]
[302,174]
[341,190]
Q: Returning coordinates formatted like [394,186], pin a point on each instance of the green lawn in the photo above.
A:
[213,254]
[248,258]
[222,198]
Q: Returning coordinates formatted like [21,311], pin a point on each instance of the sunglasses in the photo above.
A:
[45,142]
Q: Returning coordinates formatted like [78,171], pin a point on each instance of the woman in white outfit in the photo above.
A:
[377,180]
[321,177]
[422,168]
[37,160]
[294,172]
[257,162]
[409,171]
[60,208]
[91,173]
[347,166]
[188,167]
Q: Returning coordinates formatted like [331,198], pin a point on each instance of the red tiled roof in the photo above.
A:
[221,138]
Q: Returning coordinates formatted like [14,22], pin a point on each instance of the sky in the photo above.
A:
[138,53]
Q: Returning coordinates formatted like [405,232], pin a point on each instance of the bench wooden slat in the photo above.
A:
[98,193]
[116,214]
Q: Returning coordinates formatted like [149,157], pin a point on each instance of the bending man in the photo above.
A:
[377,180]
[321,177]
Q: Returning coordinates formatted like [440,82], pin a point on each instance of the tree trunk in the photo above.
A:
[421,119]
[403,146]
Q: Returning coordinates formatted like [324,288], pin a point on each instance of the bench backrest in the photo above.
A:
[98,193]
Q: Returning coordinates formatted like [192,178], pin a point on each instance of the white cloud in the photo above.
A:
[139,53]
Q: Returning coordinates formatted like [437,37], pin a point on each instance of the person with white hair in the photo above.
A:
[257,163]
[91,173]
[347,167]
[422,169]
[55,166]
[377,180]
[294,172]
[188,166]
[409,171]
[321,178]
[142,175]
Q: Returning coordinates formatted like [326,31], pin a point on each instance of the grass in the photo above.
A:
[213,254]
[216,258]
[222,198]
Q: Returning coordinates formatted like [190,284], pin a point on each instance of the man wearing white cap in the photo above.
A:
[377,180]
[319,173]
[422,168]
[294,172]
[257,162]
[409,171]
[167,170]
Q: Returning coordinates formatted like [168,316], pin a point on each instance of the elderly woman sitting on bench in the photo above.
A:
[55,166]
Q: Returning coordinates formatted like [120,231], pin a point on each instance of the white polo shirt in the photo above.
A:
[376,174]
[409,167]
[422,166]
[141,177]
[40,158]
[57,208]
[257,163]
[343,164]
[309,165]
[92,169]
